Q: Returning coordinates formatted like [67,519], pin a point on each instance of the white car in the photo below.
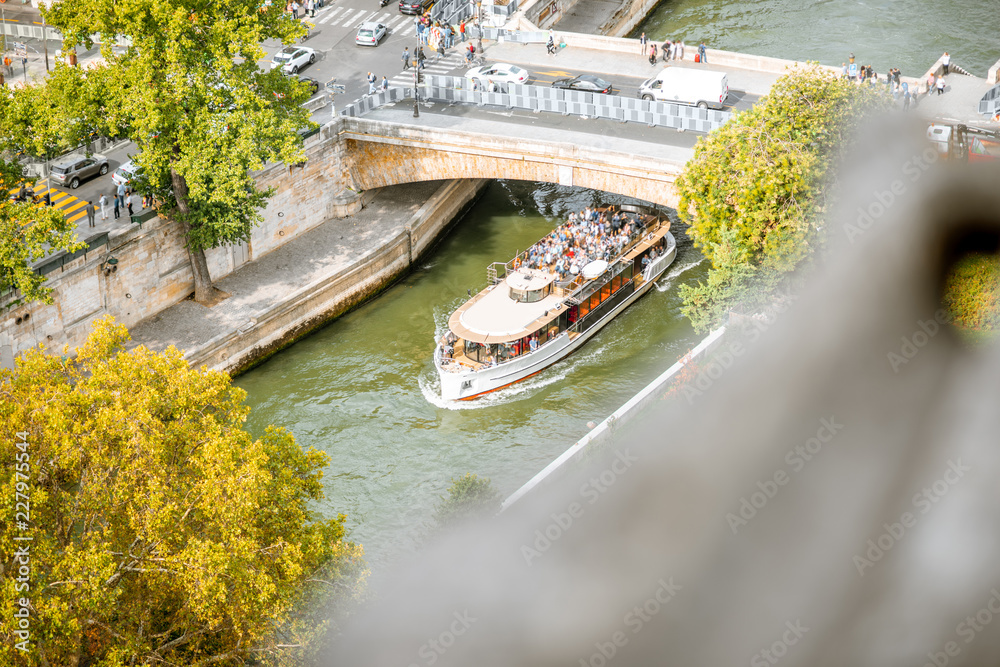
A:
[293,58]
[124,174]
[370,33]
[498,73]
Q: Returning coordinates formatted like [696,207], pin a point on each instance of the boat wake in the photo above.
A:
[667,281]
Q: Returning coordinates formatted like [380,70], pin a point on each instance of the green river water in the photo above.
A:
[909,34]
[364,389]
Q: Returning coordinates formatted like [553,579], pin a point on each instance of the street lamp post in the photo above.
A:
[416,95]
[479,28]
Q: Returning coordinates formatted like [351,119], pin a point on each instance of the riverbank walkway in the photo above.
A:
[260,286]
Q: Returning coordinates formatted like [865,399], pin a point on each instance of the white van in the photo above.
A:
[702,88]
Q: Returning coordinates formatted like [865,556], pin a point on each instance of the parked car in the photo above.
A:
[126,173]
[370,33]
[313,84]
[293,58]
[498,73]
[414,6]
[585,82]
[76,168]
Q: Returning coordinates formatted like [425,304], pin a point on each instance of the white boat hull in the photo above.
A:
[466,384]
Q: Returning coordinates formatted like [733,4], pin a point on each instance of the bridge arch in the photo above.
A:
[379,153]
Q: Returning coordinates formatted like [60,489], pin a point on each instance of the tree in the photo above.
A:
[189,93]
[469,497]
[162,533]
[755,192]
[28,232]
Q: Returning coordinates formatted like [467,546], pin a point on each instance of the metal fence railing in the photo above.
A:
[460,90]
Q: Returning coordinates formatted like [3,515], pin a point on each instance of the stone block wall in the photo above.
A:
[154,270]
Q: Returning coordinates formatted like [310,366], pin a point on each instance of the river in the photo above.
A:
[909,34]
[363,389]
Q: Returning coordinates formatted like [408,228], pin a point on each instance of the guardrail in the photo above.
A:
[556,100]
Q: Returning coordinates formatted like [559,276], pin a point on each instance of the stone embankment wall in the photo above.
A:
[153,270]
[330,296]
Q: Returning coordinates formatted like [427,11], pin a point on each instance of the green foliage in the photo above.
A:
[972,295]
[28,232]
[469,497]
[162,532]
[189,93]
[755,191]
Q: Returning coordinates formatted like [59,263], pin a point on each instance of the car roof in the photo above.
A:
[73,159]
[591,78]
[369,25]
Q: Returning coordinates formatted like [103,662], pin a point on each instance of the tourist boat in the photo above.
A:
[536,308]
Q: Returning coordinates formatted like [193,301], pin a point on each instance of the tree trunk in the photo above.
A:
[204,291]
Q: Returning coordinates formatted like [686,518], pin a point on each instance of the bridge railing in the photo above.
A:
[552,100]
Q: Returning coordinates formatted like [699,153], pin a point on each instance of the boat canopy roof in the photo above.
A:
[493,317]
[526,279]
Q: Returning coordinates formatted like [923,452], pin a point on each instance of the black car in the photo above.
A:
[313,84]
[414,6]
[585,82]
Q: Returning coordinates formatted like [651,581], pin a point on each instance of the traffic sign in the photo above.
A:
[331,84]
[20,49]
[339,88]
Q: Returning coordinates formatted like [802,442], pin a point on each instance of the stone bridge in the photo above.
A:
[377,152]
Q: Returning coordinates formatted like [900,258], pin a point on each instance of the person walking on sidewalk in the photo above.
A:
[129,200]
[91,222]
[103,201]
[652,55]
[120,199]
[406,58]
[421,57]
[384,86]
[117,209]
[940,85]
[679,50]
[945,63]
[702,52]
[371,83]
[642,43]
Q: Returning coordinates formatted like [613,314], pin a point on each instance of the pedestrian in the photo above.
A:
[295,9]
[642,43]
[117,199]
[406,58]
[312,8]
[930,83]
[940,85]
[421,57]
[666,50]
[121,195]
[129,199]
[652,55]
[702,52]
[550,46]
[843,70]
[103,201]
[461,30]
[945,63]
[679,50]
[384,86]
[906,100]
[371,83]
[91,222]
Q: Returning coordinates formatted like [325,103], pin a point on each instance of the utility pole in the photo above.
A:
[416,95]
[479,32]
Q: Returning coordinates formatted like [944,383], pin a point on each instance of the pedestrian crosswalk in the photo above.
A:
[348,17]
[70,206]
[431,66]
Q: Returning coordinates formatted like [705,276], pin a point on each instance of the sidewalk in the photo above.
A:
[264,284]
[534,56]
